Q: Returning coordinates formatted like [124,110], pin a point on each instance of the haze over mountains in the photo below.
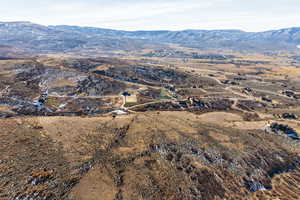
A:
[32,37]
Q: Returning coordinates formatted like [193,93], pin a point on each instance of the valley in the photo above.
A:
[162,121]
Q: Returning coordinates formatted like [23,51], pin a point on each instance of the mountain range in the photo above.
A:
[32,37]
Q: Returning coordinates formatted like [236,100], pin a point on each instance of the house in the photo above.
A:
[119,112]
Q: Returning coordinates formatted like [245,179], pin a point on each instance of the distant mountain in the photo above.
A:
[37,38]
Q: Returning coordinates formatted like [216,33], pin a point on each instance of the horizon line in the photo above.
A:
[146,30]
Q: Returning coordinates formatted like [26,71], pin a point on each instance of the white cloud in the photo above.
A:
[89,13]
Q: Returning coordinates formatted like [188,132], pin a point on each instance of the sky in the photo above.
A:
[247,15]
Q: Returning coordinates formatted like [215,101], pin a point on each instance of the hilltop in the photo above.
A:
[165,155]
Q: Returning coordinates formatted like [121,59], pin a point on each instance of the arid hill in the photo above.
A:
[152,155]
[171,124]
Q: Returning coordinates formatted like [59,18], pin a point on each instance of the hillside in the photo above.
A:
[38,38]
[171,125]
[153,155]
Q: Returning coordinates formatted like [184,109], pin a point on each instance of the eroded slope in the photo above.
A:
[152,155]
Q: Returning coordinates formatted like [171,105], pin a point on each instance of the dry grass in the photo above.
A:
[151,155]
[6,109]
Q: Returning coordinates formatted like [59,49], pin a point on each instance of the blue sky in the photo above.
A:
[248,15]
